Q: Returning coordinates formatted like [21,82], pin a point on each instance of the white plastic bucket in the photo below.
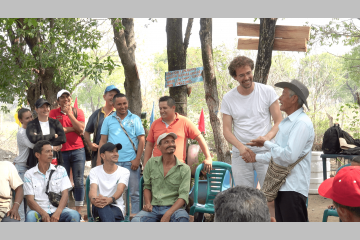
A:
[316,177]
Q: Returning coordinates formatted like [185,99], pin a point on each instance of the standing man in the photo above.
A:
[293,141]
[96,120]
[10,179]
[107,184]
[126,128]
[73,152]
[35,188]
[171,121]
[247,109]
[24,146]
[166,185]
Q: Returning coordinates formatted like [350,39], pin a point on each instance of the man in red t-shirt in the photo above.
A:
[171,121]
[72,151]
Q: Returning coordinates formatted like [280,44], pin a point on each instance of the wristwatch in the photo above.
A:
[113,200]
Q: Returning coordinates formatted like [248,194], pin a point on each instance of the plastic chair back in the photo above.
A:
[215,180]
[88,203]
[346,165]
[141,189]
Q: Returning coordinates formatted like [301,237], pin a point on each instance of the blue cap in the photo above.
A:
[110,88]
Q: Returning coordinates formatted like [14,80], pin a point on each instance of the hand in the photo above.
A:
[13,213]
[55,217]
[148,207]
[166,217]
[94,147]
[331,206]
[207,164]
[135,164]
[45,217]
[247,155]
[259,142]
[67,109]
[56,135]
[57,148]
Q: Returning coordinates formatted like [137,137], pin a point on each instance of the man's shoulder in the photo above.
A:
[264,87]
[230,93]
[7,164]
[153,159]
[122,170]
[55,110]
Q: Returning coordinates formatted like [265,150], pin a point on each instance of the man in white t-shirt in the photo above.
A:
[247,109]
[107,184]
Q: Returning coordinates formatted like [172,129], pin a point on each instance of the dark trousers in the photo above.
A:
[109,213]
[290,207]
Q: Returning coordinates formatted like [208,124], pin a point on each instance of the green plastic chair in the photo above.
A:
[333,212]
[88,203]
[141,199]
[215,181]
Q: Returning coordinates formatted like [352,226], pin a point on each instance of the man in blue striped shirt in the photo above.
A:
[293,140]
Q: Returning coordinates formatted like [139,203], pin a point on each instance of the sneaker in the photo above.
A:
[82,220]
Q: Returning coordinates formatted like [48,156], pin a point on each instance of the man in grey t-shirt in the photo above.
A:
[248,109]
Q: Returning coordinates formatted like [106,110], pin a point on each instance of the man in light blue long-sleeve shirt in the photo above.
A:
[293,140]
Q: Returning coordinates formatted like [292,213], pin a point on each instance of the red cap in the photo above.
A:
[344,188]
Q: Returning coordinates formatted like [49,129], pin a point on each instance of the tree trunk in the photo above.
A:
[266,43]
[211,93]
[176,53]
[44,84]
[125,43]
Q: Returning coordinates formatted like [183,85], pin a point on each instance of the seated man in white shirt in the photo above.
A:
[9,179]
[107,184]
[36,181]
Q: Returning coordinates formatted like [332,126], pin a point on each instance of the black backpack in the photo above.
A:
[331,143]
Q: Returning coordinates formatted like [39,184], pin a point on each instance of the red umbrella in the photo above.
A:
[202,121]
[75,104]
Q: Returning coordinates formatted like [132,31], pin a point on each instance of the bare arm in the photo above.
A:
[94,146]
[136,162]
[178,204]
[148,151]
[147,199]
[34,206]
[19,195]
[68,129]
[276,115]
[62,204]
[77,125]
[204,148]
[103,140]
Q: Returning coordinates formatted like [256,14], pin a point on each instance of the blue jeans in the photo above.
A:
[133,185]
[67,215]
[21,168]
[109,213]
[76,160]
[179,215]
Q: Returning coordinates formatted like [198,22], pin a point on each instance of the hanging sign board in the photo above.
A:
[183,77]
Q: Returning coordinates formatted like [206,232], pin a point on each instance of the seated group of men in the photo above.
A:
[166,188]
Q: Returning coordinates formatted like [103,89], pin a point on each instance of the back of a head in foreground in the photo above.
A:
[241,204]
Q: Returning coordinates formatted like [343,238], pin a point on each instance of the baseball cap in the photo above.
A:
[110,146]
[164,135]
[344,188]
[61,92]
[110,88]
[41,102]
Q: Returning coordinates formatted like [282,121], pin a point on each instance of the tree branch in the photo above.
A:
[187,34]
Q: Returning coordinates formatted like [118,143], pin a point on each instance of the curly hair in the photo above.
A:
[240,61]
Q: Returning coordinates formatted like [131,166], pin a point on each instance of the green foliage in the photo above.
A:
[353,118]
[61,44]
[336,31]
